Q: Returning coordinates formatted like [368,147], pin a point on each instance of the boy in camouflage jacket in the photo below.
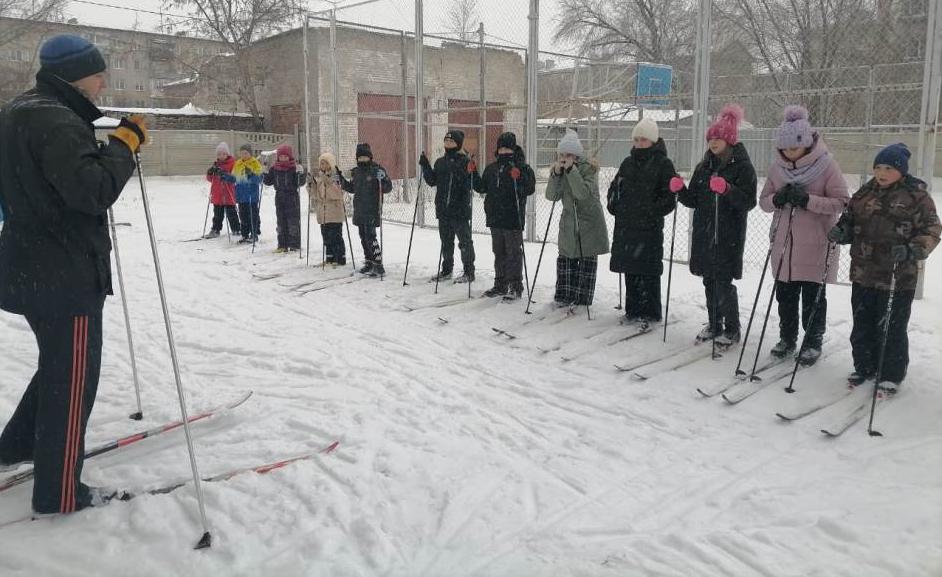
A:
[890,224]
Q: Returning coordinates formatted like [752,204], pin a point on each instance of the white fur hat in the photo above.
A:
[570,144]
[646,128]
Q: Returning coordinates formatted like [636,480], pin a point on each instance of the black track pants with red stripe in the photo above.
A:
[48,426]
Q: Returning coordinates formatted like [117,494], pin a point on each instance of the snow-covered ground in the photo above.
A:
[464,452]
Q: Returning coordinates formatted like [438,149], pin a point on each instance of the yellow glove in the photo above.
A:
[132,131]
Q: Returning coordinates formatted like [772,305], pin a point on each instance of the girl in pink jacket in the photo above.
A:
[806,192]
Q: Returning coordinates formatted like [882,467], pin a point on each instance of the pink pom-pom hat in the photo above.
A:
[726,126]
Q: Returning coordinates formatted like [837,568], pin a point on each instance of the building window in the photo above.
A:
[119,84]
[19,55]
[139,86]
[137,65]
[107,100]
[119,62]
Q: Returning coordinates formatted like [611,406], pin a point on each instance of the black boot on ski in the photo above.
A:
[856,378]
[497,290]
[514,292]
[466,277]
[443,275]
[809,355]
[782,349]
[705,334]
[365,269]
[377,270]
[212,234]
[729,338]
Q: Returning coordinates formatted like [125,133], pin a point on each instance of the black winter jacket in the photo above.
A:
[364,184]
[505,202]
[284,181]
[734,207]
[453,183]
[639,198]
[56,185]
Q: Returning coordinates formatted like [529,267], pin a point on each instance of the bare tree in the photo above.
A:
[659,31]
[462,18]
[28,11]
[239,23]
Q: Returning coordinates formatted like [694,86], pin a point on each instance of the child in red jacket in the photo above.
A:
[222,193]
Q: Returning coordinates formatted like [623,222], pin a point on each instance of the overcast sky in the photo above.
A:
[506,19]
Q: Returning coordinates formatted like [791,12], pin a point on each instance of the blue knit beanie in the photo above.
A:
[895,155]
[70,57]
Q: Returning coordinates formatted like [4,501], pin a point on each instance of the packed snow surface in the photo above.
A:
[463,451]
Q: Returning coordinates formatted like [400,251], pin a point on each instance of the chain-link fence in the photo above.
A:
[477,81]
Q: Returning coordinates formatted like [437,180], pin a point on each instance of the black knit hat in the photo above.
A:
[363,149]
[507,140]
[457,136]
[70,57]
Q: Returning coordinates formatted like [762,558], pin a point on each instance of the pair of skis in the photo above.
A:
[849,408]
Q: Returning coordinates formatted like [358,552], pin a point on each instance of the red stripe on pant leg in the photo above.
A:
[80,405]
[79,348]
[65,490]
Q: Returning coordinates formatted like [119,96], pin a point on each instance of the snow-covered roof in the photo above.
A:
[618,112]
[188,110]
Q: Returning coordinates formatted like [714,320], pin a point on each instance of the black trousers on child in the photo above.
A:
[332,237]
[288,213]
[448,229]
[866,337]
[249,218]
[226,211]
[643,297]
[788,294]
[48,426]
[575,280]
[371,249]
[725,315]
[508,258]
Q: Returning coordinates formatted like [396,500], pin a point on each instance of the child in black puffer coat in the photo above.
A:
[640,198]
[287,176]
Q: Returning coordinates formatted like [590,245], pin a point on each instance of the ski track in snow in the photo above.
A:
[464,452]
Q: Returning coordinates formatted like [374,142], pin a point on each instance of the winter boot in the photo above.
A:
[856,379]
[629,321]
[7,467]
[245,240]
[809,355]
[782,349]
[515,291]
[366,268]
[377,270]
[466,277]
[887,389]
[280,250]
[212,234]
[729,338]
[705,334]
[498,290]
[443,275]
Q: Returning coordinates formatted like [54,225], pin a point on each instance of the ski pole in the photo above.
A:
[618,307]
[814,312]
[472,168]
[380,176]
[765,266]
[127,317]
[209,202]
[582,263]
[539,260]
[415,212]
[768,310]
[206,539]
[349,238]
[515,175]
[438,275]
[670,272]
[256,218]
[716,284]
[886,332]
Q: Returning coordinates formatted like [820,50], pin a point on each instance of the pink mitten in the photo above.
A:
[718,184]
[676,184]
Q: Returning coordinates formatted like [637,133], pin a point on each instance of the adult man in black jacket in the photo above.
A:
[454,176]
[56,184]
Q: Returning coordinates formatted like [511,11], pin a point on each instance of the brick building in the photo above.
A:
[140,63]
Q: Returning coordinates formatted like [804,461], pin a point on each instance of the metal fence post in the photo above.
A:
[533,104]
[334,87]
[404,73]
[929,111]
[419,100]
